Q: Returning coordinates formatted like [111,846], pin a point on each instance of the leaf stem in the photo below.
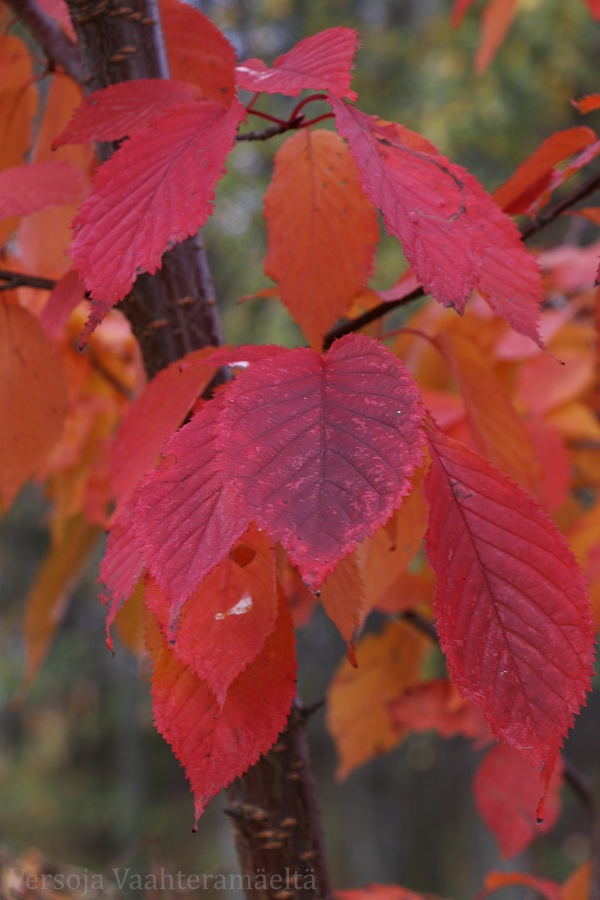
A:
[299,106]
[269,118]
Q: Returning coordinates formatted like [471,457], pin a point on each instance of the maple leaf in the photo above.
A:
[343,597]
[453,234]
[507,791]
[321,62]
[67,294]
[155,191]
[330,218]
[197,51]
[320,449]
[497,18]
[217,744]
[123,109]
[437,705]
[33,397]
[186,519]
[511,604]
[594,8]
[590,102]
[28,189]
[495,881]
[226,621]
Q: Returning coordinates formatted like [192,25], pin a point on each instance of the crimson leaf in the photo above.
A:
[155,191]
[453,233]
[186,520]
[320,62]
[320,449]
[511,604]
[122,109]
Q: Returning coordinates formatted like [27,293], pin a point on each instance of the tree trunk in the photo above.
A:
[272,808]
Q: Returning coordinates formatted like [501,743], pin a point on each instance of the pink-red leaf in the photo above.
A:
[155,191]
[216,745]
[507,790]
[198,51]
[67,294]
[330,218]
[322,62]
[122,566]
[226,621]
[123,109]
[153,418]
[453,234]
[186,519]
[320,449]
[29,189]
[511,604]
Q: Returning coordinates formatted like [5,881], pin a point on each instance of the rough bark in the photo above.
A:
[272,808]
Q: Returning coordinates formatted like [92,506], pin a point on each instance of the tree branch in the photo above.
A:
[550,213]
[46,31]
[267,133]
[20,279]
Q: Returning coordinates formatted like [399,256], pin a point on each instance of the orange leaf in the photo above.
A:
[343,596]
[32,397]
[44,236]
[497,18]
[533,175]
[317,214]
[358,717]
[587,104]
[216,745]
[577,886]
[494,881]
[49,597]
[497,430]
[381,892]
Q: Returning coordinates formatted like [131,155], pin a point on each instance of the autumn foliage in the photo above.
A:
[439,473]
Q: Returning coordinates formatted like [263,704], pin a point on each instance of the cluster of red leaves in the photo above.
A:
[315,455]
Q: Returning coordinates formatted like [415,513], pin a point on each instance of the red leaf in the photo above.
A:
[123,109]
[121,568]
[507,791]
[153,418]
[459,10]
[594,8]
[28,189]
[330,218]
[216,745]
[185,518]
[227,619]
[322,62]
[67,294]
[320,449]
[497,18]
[590,102]
[155,191]
[533,175]
[453,234]
[198,51]
[511,605]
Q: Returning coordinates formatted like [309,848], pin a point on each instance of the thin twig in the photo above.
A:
[579,785]
[267,133]
[20,279]
[371,315]
[59,50]
[548,215]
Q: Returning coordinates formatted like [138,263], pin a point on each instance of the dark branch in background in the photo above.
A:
[18,279]
[541,221]
[425,626]
[267,133]
[57,47]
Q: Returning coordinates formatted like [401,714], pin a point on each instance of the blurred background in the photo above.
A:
[84,777]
